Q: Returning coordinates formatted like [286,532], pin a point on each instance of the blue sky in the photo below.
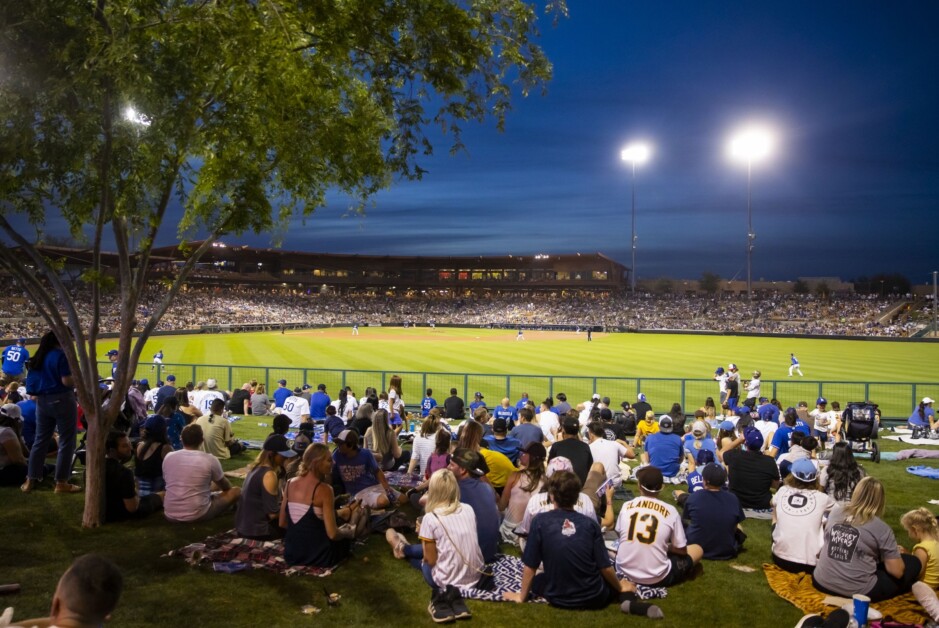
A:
[850,87]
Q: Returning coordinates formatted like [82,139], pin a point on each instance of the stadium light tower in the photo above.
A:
[749,145]
[635,154]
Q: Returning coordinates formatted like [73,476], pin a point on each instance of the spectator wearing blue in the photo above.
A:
[428,403]
[319,401]
[112,356]
[521,403]
[164,392]
[501,442]
[699,439]
[713,515]
[14,362]
[923,415]
[56,410]
[477,403]
[507,412]
[28,408]
[280,395]
[664,450]
[334,425]
[782,439]
[468,466]
[768,411]
[525,431]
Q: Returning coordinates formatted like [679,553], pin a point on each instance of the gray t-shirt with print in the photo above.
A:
[848,561]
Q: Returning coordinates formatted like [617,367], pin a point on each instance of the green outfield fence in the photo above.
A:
[896,400]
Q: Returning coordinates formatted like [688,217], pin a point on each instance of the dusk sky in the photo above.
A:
[851,89]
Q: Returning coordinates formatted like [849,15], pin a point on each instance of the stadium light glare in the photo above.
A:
[752,143]
[636,153]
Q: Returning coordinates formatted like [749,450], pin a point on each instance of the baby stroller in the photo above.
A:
[859,428]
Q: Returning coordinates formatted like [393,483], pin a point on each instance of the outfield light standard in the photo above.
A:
[749,145]
[635,154]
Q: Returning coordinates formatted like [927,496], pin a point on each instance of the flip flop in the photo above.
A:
[28,486]
[67,488]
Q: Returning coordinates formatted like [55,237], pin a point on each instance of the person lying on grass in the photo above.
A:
[577,572]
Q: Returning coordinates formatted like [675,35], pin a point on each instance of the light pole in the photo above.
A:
[749,145]
[635,154]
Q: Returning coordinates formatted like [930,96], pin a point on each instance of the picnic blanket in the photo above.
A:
[402,480]
[507,576]
[797,589]
[238,474]
[228,547]
[924,472]
[904,454]
[926,442]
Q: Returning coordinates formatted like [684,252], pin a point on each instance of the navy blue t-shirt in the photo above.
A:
[482,498]
[714,516]
[570,545]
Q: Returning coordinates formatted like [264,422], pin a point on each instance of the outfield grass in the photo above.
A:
[41,534]
[623,358]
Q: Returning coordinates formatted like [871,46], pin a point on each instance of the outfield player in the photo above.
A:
[157,359]
[297,408]
[520,335]
[14,362]
[794,365]
[652,546]
[355,329]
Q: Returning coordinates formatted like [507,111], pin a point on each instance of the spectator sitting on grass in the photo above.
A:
[280,425]
[191,474]
[358,474]
[189,411]
[216,431]
[424,442]
[803,447]
[752,474]
[500,441]
[571,447]
[520,487]
[151,450]
[569,546]
[120,492]
[646,427]
[257,514]
[842,473]
[714,515]
[13,452]
[468,467]
[609,453]
[653,549]
[799,512]
[308,514]
[449,555]
[526,432]
[86,595]
[334,424]
[383,442]
[498,466]
[664,450]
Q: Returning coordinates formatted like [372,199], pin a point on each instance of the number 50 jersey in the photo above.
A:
[647,527]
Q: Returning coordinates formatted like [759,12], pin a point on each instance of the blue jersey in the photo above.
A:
[794,360]
[428,404]
[510,414]
[14,359]
[521,404]
[158,355]
[475,405]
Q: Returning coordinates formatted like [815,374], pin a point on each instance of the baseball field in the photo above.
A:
[42,534]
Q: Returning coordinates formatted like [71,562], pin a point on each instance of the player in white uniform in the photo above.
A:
[297,408]
[652,548]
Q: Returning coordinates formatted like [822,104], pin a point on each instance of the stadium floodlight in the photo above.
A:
[753,143]
[636,153]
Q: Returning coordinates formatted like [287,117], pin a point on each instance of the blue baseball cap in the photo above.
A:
[640,397]
[821,401]
[282,382]
[112,352]
[719,371]
[803,469]
[145,382]
[727,426]
[22,341]
[753,438]
[171,378]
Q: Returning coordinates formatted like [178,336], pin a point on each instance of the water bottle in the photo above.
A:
[262,425]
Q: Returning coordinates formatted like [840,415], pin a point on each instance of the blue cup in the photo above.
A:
[861,605]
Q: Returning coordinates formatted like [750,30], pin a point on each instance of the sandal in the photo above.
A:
[28,486]
[397,542]
[65,487]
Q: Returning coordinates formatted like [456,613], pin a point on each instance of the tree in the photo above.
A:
[237,115]
[710,282]
[801,287]
[663,285]
[823,291]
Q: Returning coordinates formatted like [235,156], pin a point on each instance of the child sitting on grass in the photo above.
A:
[921,526]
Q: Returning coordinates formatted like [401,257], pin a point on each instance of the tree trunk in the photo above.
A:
[93,515]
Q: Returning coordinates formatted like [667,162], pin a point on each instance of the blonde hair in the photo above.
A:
[921,520]
[311,457]
[443,493]
[867,502]
[260,389]
[382,434]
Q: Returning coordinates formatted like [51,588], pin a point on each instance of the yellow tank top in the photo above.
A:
[931,577]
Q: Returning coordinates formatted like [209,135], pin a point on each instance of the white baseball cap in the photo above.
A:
[211,383]
[928,400]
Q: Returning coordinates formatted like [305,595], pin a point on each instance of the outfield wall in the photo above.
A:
[896,400]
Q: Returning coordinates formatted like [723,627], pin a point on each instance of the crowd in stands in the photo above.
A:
[546,478]
[778,313]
